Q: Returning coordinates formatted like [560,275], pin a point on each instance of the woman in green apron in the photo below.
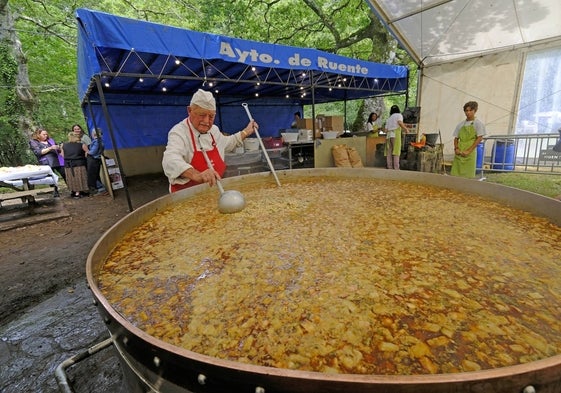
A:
[467,135]
[392,149]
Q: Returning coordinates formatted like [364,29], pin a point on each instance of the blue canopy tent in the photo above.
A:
[135,78]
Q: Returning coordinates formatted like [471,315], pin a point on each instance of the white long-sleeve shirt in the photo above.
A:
[179,149]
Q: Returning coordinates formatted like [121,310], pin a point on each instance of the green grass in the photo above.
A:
[548,185]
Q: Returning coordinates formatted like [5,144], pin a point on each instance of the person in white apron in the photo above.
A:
[183,162]
[467,135]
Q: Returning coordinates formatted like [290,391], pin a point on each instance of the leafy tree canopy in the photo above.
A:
[47,30]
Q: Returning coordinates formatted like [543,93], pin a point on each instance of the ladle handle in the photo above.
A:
[246,107]
[210,166]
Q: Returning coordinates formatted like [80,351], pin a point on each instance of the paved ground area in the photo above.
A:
[50,332]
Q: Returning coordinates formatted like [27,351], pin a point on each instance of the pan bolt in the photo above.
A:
[259,389]
[201,379]
[125,341]
[156,361]
[529,389]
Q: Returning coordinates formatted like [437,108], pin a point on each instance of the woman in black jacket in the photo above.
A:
[74,153]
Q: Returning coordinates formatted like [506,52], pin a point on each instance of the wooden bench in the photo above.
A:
[25,195]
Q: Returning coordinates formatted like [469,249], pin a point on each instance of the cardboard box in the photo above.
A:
[335,123]
[306,124]
[116,179]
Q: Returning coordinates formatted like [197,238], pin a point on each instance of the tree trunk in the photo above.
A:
[383,49]
[22,86]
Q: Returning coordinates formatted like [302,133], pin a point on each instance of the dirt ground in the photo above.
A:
[46,311]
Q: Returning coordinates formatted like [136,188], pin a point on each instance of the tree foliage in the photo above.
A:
[13,145]
[47,30]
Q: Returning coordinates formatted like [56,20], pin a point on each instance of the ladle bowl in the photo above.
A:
[230,201]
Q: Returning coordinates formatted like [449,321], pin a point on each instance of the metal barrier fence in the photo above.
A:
[530,153]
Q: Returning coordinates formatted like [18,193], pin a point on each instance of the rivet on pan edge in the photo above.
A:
[125,341]
[259,389]
[156,361]
[201,379]
[529,389]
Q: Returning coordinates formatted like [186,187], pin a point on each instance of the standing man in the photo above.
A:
[93,156]
[297,116]
[183,161]
[467,135]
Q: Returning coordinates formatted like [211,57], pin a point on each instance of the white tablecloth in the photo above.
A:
[34,174]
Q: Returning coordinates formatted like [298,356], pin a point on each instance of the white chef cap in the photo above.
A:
[204,99]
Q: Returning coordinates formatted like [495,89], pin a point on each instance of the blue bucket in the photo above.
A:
[503,155]
[480,152]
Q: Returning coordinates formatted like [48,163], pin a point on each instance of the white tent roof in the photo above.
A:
[439,31]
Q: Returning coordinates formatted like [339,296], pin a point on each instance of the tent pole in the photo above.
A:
[219,106]
[314,128]
[113,141]
[313,105]
[407,91]
[420,71]
[345,125]
[418,103]
[313,102]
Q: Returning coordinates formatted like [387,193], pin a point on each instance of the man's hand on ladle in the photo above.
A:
[208,176]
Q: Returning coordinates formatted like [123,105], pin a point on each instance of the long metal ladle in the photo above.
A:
[262,145]
[230,201]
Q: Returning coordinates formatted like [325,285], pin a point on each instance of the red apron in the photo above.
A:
[199,163]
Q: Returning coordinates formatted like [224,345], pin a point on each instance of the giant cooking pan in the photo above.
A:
[151,365]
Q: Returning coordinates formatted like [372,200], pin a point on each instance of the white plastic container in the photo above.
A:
[251,144]
[305,135]
[289,136]
[329,134]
